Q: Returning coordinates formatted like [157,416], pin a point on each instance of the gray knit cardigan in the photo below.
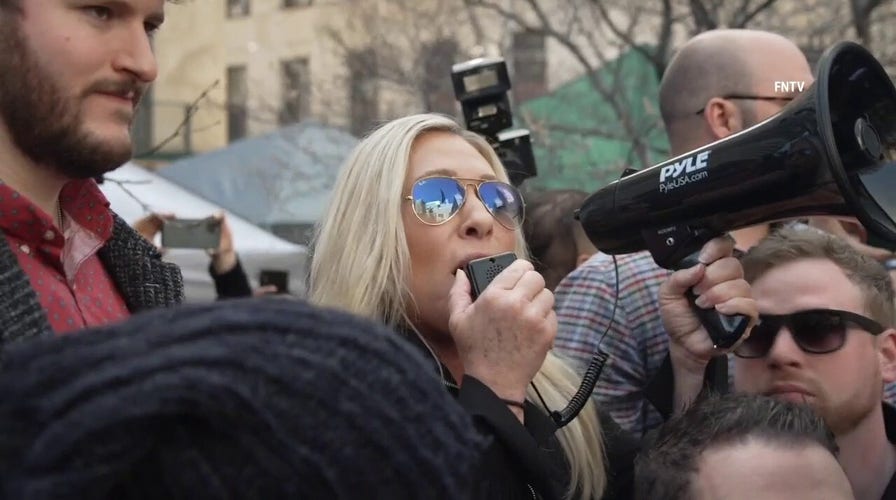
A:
[135,266]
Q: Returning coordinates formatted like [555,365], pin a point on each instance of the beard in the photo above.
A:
[842,413]
[44,123]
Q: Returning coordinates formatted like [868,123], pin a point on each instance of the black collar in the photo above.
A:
[438,367]
[890,426]
[890,422]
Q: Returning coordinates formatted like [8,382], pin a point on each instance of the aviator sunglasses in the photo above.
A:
[815,331]
[437,199]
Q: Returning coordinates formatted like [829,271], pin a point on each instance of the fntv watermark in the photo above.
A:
[791,86]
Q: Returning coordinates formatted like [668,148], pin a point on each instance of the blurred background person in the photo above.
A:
[224,267]
[557,243]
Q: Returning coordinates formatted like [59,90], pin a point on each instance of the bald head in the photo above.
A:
[725,62]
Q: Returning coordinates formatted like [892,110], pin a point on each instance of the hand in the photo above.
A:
[503,337]
[150,225]
[265,290]
[224,257]
[719,283]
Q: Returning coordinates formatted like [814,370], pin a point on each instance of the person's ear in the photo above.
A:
[886,350]
[853,227]
[723,117]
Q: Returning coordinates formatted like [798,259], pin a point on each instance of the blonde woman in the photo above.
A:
[418,199]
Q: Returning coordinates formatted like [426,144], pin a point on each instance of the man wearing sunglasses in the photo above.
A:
[824,337]
[719,83]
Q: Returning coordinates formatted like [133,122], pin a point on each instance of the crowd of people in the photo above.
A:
[390,379]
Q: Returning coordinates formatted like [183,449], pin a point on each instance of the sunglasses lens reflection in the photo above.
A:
[436,199]
[504,202]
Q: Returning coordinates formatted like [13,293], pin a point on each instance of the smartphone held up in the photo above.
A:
[202,234]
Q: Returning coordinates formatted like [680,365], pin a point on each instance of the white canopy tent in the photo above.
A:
[257,248]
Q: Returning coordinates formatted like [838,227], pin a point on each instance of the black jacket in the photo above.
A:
[135,266]
[527,461]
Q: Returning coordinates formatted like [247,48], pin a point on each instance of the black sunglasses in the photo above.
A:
[815,331]
[437,199]
[750,97]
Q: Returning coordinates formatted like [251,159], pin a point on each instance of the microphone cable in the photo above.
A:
[563,417]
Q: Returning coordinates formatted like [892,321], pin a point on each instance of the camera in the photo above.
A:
[481,86]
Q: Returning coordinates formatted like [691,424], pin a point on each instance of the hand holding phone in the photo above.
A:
[276,278]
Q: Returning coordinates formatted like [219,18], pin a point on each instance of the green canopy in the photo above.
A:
[577,137]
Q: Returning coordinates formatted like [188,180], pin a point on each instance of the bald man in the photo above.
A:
[719,83]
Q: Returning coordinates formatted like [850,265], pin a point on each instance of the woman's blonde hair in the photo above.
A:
[361,264]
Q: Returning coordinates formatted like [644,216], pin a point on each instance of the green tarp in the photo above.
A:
[577,137]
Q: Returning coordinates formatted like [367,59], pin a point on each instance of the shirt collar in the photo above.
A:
[80,199]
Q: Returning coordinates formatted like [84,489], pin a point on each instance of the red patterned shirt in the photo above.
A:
[70,281]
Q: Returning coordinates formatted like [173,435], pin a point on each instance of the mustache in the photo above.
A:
[118,87]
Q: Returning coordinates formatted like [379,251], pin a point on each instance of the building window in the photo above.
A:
[295,83]
[438,92]
[363,90]
[237,8]
[296,3]
[529,65]
[237,102]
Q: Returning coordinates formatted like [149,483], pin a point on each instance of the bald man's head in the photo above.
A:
[725,62]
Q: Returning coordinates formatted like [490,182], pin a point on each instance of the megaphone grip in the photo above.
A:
[725,330]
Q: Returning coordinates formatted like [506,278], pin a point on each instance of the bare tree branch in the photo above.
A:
[664,40]
[122,184]
[544,26]
[191,110]
[861,18]
[745,16]
[703,20]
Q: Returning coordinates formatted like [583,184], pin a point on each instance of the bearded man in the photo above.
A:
[71,77]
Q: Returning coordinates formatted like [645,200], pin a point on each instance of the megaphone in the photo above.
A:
[830,151]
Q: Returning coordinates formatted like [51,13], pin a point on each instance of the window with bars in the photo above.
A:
[295,82]
[237,102]
[363,91]
[288,4]
[238,8]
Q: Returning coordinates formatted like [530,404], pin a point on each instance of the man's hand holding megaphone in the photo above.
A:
[718,281]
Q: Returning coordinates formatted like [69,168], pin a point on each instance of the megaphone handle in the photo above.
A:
[725,330]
